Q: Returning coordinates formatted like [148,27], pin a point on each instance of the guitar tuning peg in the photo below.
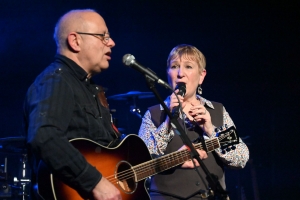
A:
[223,151]
[233,148]
[228,149]
[219,129]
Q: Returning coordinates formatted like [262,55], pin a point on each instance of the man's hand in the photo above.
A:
[105,190]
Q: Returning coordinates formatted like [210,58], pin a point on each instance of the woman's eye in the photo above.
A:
[173,67]
[189,67]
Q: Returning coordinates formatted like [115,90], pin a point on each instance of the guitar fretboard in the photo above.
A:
[168,161]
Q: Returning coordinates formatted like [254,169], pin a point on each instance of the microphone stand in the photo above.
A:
[211,178]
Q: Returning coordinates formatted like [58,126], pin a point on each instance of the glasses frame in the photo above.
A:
[105,40]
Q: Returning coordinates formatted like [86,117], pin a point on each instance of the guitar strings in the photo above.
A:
[150,166]
[129,173]
[213,143]
[171,158]
[124,174]
[146,167]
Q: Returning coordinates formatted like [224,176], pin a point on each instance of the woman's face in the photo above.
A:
[187,71]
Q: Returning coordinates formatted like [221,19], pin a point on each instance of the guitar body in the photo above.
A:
[111,162]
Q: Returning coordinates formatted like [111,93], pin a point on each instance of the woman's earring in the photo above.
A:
[199,89]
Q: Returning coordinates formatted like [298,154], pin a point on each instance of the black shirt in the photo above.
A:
[60,105]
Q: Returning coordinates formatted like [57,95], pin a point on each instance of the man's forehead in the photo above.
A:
[97,25]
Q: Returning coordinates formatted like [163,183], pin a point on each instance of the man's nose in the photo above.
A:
[111,43]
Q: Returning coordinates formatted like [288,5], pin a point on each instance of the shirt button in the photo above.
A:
[97,88]
[197,183]
[58,71]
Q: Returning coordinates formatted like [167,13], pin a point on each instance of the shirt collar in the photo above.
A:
[206,102]
[78,71]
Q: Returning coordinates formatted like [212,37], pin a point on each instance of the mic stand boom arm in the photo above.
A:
[211,178]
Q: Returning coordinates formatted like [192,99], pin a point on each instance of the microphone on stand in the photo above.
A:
[129,60]
[182,89]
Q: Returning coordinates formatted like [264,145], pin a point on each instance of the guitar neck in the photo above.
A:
[168,161]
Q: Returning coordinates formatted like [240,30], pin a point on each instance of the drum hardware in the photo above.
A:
[133,96]
[15,145]
[135,110]
[5,188]
[3,173]
[19,186]
[137,94]
[23,184]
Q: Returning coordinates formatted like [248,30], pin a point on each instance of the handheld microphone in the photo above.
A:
[182,89]
[129,60]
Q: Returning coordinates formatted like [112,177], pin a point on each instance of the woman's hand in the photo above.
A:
[189,163]
[202,118]
[174,101]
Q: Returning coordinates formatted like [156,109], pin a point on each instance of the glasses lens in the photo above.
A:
[106,38]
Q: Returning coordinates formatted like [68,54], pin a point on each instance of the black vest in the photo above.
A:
[185,183]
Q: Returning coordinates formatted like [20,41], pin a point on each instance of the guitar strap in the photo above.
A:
[103,101]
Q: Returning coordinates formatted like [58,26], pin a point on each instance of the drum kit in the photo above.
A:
[17,185]
[132,96]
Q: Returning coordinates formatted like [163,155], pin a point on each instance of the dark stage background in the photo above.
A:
[252,51]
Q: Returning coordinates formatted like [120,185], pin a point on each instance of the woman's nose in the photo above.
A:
[180,72]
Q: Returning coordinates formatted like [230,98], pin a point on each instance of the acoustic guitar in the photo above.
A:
[125,165]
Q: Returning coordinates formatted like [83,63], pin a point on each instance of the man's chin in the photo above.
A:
[103,68]
[99,69]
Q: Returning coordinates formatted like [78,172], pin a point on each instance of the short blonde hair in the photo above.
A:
[189,52]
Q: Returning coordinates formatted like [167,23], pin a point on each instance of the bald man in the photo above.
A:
[62,104]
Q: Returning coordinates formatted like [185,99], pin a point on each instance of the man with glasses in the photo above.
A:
[62,104]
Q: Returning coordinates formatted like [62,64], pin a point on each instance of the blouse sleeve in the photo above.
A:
[156,138]
[238,157]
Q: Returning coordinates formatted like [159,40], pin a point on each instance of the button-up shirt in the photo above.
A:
[60,105]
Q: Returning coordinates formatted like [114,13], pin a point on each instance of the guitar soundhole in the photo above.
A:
[126,177]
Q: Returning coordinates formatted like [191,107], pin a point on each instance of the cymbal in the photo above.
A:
[138,94]
[13,145]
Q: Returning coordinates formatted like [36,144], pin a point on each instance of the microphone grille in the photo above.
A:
[182,88]
[128,59]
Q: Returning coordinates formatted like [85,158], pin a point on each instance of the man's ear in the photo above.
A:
[73,41]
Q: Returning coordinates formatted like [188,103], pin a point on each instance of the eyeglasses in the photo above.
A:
[105,39]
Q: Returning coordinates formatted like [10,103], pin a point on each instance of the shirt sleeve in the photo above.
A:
[155,138]
[49,108]
[238,157]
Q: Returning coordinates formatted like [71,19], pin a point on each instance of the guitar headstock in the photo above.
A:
[228,138]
